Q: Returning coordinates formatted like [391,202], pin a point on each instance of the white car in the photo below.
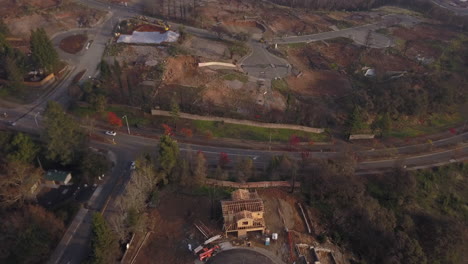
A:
[133,165]
[111,133]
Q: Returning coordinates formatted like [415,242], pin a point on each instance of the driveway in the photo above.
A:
[244,256]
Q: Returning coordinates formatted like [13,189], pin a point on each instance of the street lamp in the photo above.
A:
[126,121]
[35,119]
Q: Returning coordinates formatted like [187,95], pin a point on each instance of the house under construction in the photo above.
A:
[243,213]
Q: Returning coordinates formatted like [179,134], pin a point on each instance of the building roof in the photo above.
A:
[55,175]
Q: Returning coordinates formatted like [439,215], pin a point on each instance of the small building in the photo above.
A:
[243,213]
[55,178]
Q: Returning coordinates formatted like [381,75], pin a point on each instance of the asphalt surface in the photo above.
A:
[74,246]
[240,256]
[357,34]
[459,11]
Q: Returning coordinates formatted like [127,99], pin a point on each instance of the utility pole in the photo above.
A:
[126,121]
[35,119]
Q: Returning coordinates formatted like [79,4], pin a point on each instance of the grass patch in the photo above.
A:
[433,124]
[236,76]
[224,130]
[280,85]
[135,116]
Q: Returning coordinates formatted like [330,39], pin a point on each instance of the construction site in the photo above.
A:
[267,225]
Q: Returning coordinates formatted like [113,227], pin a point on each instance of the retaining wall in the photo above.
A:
[263,184]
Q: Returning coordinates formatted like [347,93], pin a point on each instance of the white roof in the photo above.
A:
[149,37]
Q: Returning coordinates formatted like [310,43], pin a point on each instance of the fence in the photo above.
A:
[247,185]
[240,122]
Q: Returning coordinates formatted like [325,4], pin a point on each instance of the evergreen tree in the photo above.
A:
[103,241]
[168,155]
[43,52]
[63,135]
[355,121]
[22,148]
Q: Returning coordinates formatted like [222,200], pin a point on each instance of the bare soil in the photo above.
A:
[424,31]
[67,16]
[207,49]
[173,226]
[73,44]
[182,70]
[319,83]
[384,62]
[149,28]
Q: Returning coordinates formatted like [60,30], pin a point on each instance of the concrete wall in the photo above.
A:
[240,122]
[264,184]
[361,136]
[215,63]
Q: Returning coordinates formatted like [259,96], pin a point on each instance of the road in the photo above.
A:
[459,11]
[357,34]
[74,246]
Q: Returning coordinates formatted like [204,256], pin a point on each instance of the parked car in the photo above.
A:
[111,133]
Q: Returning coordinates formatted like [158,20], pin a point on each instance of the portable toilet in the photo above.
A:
[267,241]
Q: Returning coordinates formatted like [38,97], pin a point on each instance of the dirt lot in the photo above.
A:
[68,15]
[207,49]
[149,28]
[136,54]
[183,70]
[280,21]
[173,228]
[320,83]
[10,8]
[73,44]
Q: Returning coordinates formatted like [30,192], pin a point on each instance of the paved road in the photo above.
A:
[261,64]
[357,34]
[459,11]
[74,246]
[241,256]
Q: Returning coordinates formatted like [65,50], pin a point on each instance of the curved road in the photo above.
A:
[73,247]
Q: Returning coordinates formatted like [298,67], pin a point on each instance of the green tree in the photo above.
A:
[93,165]
[103,242]
[168,155]
[3,28]
[63,136]
[175,110]
[13,72]
[355,121]
[22,148]
[43,52]
[383,124]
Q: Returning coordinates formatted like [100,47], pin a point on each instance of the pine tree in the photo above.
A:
[168,155]
[43,52]
[103,241]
